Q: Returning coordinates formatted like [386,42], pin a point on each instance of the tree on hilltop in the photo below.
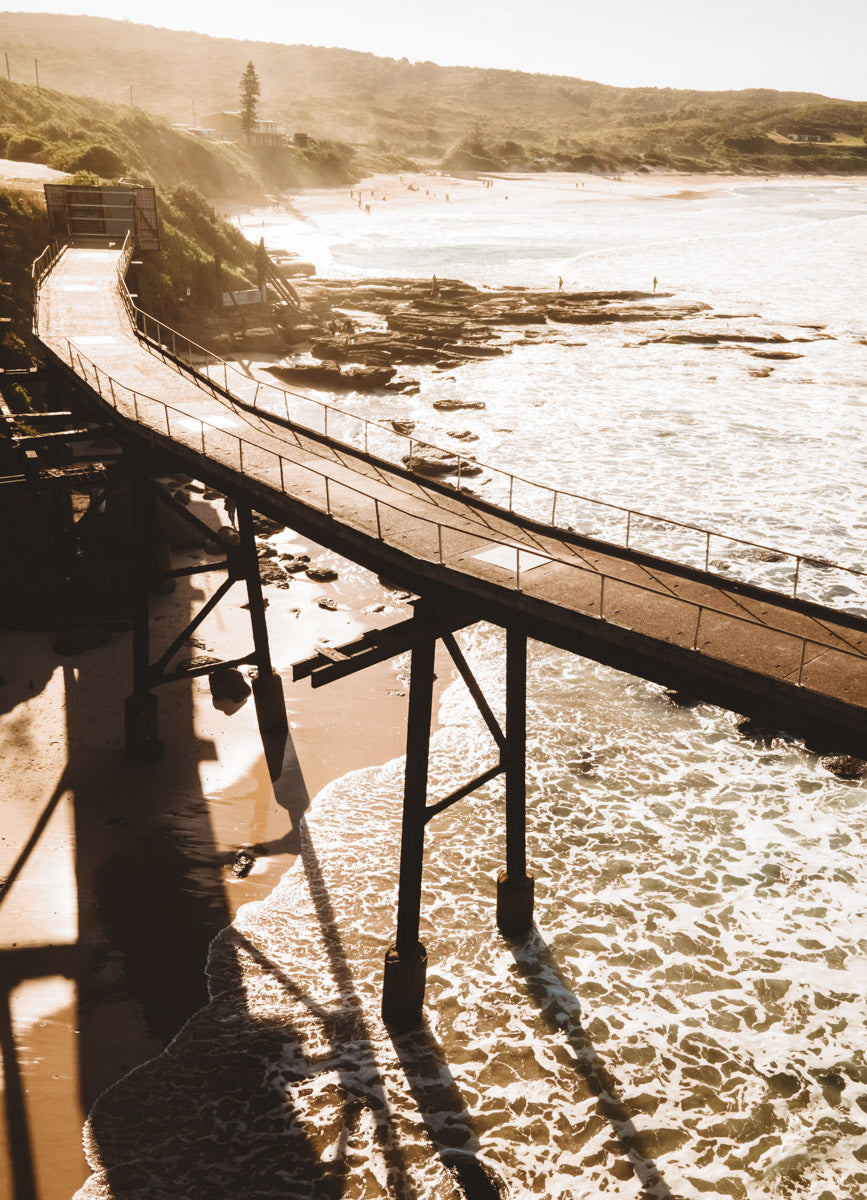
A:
[249,98]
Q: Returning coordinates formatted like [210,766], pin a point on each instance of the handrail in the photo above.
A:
[112,392]
[168,342]
[39,268]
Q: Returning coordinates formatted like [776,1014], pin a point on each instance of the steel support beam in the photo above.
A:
[406,960]
[515,886]
[267,686]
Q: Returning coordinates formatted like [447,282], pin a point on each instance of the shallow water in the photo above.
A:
[687,1019]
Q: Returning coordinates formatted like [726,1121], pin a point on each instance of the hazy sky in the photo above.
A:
[802,45]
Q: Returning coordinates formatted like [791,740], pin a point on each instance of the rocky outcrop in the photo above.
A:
[433,463]
[335,379]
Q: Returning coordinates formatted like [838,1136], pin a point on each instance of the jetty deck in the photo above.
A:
[784,660]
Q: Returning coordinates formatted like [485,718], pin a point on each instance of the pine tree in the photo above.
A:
[249,98]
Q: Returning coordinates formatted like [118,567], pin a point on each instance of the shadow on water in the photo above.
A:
[560,1008]
[244,1097]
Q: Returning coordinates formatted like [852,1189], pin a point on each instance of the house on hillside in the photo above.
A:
[264,133]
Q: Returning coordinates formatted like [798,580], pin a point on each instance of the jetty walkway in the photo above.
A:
[762,650]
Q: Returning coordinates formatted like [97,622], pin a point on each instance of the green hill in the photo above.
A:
[459,116]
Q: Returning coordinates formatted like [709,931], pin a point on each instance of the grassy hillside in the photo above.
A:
[79,133]
[458,115]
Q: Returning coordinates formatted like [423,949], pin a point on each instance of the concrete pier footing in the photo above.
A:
[403,988]
[270,703]
[515,897]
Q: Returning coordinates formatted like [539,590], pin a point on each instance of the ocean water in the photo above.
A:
[688,1017]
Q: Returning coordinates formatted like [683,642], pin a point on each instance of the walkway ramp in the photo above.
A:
[788,662]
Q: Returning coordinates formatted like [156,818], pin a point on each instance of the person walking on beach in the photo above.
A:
[654,283]
[434,288]
[560,284]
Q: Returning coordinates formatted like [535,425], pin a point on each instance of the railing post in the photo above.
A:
[628,527]
[282,484]
[517,570]
[554,507]
[440,542]
[601,597]
[366,423]
[327,498]
[707,552]
[202,423]
[697,623]
[378,522]
[801,664]
[797,573]
[460,462]
[325,426]
[241,455]
[511,486]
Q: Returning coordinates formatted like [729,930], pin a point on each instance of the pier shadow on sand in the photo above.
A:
[148,897]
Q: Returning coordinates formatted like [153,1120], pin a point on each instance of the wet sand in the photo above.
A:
[117,875]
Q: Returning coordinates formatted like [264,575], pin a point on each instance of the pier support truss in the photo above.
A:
[406,960]
[152,572]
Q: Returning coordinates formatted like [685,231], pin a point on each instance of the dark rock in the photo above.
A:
[293,564]
[271,572]
[846,766]
[76,641]
[227,683]
[464,435]
[405,427]
[782,355]
[368,379]
[358,379]
[265,527]
[242,864]
[760,734]
[451,405]
[327,603]
[435,463]
[321,574]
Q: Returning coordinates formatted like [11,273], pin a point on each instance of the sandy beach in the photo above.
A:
[117,875]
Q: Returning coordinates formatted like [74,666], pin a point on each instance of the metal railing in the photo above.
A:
[38,270]
[782,572]
[448,544]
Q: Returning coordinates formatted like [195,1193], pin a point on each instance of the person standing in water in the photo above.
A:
[654,283]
